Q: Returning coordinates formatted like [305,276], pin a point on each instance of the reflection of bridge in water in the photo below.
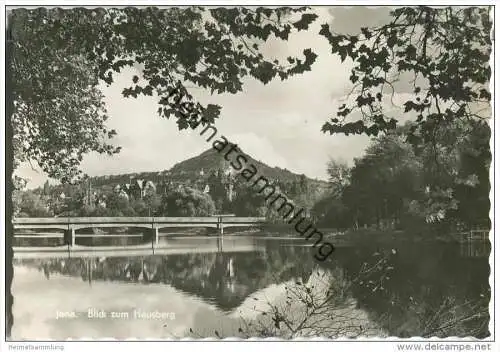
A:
[151,236]
[183,245]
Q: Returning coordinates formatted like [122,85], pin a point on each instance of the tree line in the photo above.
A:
[442,185]
[174,199]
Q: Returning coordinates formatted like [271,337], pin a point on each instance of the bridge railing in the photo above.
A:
[139,220]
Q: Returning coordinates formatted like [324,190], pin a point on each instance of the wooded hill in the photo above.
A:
[210,161]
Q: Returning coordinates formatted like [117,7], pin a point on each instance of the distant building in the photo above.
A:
[139,183]
[149,188]
[127,188]
[136,188]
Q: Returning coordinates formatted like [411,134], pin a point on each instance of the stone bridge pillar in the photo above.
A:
[220,226]
[151,235]
[69,237]
[220,244]
[156,235]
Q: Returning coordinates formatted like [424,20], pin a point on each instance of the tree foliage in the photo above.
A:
[446,184]
[187,201]
[59,112]
[338,174]
[383,182]
[456,171]
[248,201]
[59,56]
[33,205]
[445,51]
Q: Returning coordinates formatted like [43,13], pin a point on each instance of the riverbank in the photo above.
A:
[360,235]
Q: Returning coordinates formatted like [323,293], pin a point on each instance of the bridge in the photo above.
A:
[71,224]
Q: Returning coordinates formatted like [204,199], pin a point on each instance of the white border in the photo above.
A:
[363,344]
[246,2]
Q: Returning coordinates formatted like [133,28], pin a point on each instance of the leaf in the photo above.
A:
[325,30]
[310,57]
[366,32]
[409,105]
[183,124]
[305,21]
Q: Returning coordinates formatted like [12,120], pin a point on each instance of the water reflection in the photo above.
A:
[407,289]
[224,279]
[430,286]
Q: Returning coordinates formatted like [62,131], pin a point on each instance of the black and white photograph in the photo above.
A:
[250,172]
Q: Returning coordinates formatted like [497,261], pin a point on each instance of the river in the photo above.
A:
[256,286]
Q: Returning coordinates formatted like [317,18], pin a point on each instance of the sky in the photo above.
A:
[278,123]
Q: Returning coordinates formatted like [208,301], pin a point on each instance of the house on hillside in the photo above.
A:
[137,188]
[123,191]
[149,188]
[127,187]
